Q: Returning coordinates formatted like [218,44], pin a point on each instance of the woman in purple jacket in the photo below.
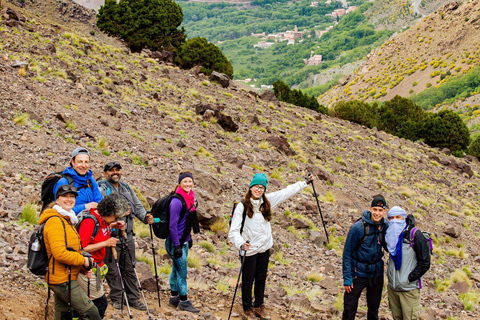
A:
[183,218]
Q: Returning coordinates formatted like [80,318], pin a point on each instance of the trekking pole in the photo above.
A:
[238,280]
[138,280]
[115,257]
[318,205]
[155,265]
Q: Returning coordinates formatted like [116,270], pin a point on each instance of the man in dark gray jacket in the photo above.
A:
[409,261]
[112,184]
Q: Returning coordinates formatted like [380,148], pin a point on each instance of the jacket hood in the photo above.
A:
[367,217]
[47,214]
[78,179]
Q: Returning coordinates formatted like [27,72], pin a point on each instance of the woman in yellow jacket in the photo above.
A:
[64,250]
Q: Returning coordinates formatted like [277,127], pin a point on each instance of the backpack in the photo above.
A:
[86,214]
[38,258]
[244,216]
[426,235]
[49,183]
[161,214]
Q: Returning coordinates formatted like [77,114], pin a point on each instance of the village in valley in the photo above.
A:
[296,36]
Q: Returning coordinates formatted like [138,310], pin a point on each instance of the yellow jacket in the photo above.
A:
[54,235]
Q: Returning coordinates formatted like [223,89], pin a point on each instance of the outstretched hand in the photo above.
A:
[309,178]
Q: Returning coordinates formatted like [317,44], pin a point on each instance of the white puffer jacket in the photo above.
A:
[257,229]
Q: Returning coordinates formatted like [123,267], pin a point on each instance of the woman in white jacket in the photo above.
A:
[257,208]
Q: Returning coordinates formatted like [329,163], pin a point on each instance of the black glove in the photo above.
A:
[190,244]
[178,252]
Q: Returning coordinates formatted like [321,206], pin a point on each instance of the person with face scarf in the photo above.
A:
[409,261]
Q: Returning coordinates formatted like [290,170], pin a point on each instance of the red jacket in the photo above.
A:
[86,231]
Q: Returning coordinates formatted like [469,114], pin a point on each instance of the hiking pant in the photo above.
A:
[254,270]
[374,296]
[78,300]
[128,274]
[405,305]
[178,276]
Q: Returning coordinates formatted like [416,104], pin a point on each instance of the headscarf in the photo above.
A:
[394,236]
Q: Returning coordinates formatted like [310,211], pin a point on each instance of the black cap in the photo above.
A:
[111,165]
[64,189]
[379,202]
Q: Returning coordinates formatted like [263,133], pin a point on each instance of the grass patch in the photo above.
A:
[407,192]
[29,213]
[142,230]
[22,119]
[328,197]
[264,145]
[470,300]
[335,243]
[207,245]
[220,225]
[194,260]
[315,276]
[148,259]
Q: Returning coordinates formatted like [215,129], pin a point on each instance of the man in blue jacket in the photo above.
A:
[362,260]
[79,172]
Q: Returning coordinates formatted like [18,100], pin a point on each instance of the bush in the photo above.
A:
[401,117]
[445,129]
[474,148]
[356,111]
[198,51]
[283,93]
[151,24]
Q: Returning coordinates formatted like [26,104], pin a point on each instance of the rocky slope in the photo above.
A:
[63,87]
[445,42]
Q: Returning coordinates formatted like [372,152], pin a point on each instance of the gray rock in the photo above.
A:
[221,78]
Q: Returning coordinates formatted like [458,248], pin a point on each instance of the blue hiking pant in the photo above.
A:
[178,276]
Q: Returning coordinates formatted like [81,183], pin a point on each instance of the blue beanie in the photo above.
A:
[259,178]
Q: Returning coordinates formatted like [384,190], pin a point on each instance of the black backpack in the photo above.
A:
[160,210]
[49,183]
[366,233]
[38,258]
[85,214]
[244,216]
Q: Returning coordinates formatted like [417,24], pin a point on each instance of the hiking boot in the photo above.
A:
[187,306]
[249,315]
[261,313]
[174,301]
[138,305]
[117,305]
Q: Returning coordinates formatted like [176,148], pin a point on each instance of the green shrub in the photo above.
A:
[445,129]
[474,148]
[198,51]
[283,93]
[356,111]
[401,117]
[207,245]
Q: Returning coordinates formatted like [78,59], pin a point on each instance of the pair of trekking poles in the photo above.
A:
[123,241]
[242,256]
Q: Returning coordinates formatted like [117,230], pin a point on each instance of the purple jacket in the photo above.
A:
[177,227]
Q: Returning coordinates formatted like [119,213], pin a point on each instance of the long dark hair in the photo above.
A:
[265,208]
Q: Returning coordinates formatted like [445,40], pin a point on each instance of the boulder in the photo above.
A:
[268,95]
[163,56]
[318,238]
[147,280]
[94,89]
[321,174]
[280,144]
[226,122]
[299,223]
[460,287]
[452,232]
[221,78]
[300,300]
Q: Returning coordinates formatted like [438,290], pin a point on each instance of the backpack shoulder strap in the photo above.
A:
[68,177]
[95,221]
[412,235]
[244,217]
[66,242]
[366,230]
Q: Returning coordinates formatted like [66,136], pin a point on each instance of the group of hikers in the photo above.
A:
[95,222]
